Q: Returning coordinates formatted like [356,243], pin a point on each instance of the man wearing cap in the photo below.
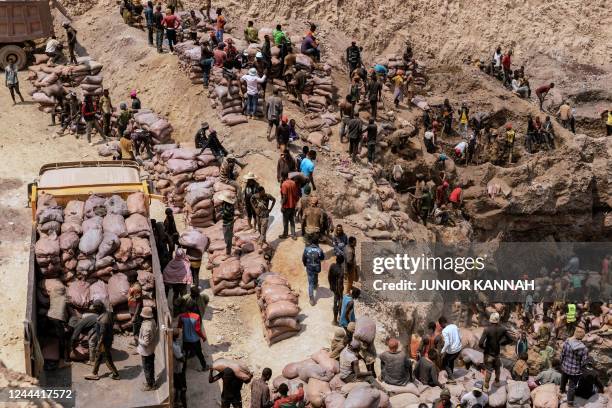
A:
[104,344]
[573,358]
[228,217]
[72,41]
[136,105]
[493,338]
[212,142]
[147,340]
[444,401]
[283,132]
[252,81]
[475,397]
[262,207]
[274,111]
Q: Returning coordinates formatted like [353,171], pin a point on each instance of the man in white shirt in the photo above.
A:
[52,49]
[475,397]
[451,348]
[252,82]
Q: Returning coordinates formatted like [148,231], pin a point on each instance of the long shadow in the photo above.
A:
[323,293]
[129,372]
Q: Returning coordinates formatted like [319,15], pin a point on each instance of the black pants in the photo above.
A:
[608,130]
[195,274]
[374,108]
[150,34]
[14,89]
[288,218]
[107,124]
[105,356]
[148,367]
[180,388]
[171,35]
[60,331]
[337,305]
[137,321]
[73,59]
[228,404]
[573,382]
[354,148]
[371,151]
[195,348]
[448,363]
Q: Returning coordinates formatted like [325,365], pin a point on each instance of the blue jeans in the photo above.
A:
[313,282]
[251,104]
[219,35]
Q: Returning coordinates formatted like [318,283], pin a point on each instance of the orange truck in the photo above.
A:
[21,24]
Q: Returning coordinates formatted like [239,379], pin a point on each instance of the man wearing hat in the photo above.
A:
[252,81]
[250,189]
[573,357]
[11,80]
[444,401]
[493,338]
[227,215]
[72,41]
[104,344]
[147,340]
[262,207]
[475,397]
[200,136]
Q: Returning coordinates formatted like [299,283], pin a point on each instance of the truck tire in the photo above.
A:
[17,52]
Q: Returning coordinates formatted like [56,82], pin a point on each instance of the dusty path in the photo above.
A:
[26,145]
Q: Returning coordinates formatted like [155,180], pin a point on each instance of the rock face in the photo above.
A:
[564,195]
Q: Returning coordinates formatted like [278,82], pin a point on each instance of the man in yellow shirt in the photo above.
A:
[251,35]
[126,147]
[398,91]
[609,123]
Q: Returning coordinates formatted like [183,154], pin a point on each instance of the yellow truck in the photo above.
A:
[78,180]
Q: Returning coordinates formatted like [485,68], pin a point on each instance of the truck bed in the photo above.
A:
[107,392]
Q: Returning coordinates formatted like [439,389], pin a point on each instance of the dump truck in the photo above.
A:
[77,181]
[21,24]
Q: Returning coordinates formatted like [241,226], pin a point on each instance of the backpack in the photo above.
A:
[353,55]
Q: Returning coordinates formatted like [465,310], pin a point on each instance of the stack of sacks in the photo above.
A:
[322,387]
[387,197]
[235,274]
[103,244]
[199,208]
[161,130]
[317,128]
[279,308]
[175,169]
[414,68]
[231,102]
[194,242]
[189,55]
[92,85]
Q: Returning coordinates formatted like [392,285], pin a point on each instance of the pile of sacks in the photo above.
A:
[324,388]
[53,82]
[235,274]
[161,130]
[279,307]
[92,250]
[189,55]
[174,169]
[227,95]
[396,62]
[317,128]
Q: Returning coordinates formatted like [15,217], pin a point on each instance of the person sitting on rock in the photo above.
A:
[395,366]
[444,400]
[551,375]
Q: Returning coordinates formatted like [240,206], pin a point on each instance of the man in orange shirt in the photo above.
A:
[220,25]
[290,196]
[289,400]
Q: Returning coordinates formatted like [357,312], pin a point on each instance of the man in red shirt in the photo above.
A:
[289,400]
[507,65]
[171,23]
[219,55]
[441,193]
[542,91]
[456,197]
[289,198]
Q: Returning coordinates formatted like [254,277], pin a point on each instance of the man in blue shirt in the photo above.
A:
[311,258]
[307,167]
[347,311]
[148,12]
